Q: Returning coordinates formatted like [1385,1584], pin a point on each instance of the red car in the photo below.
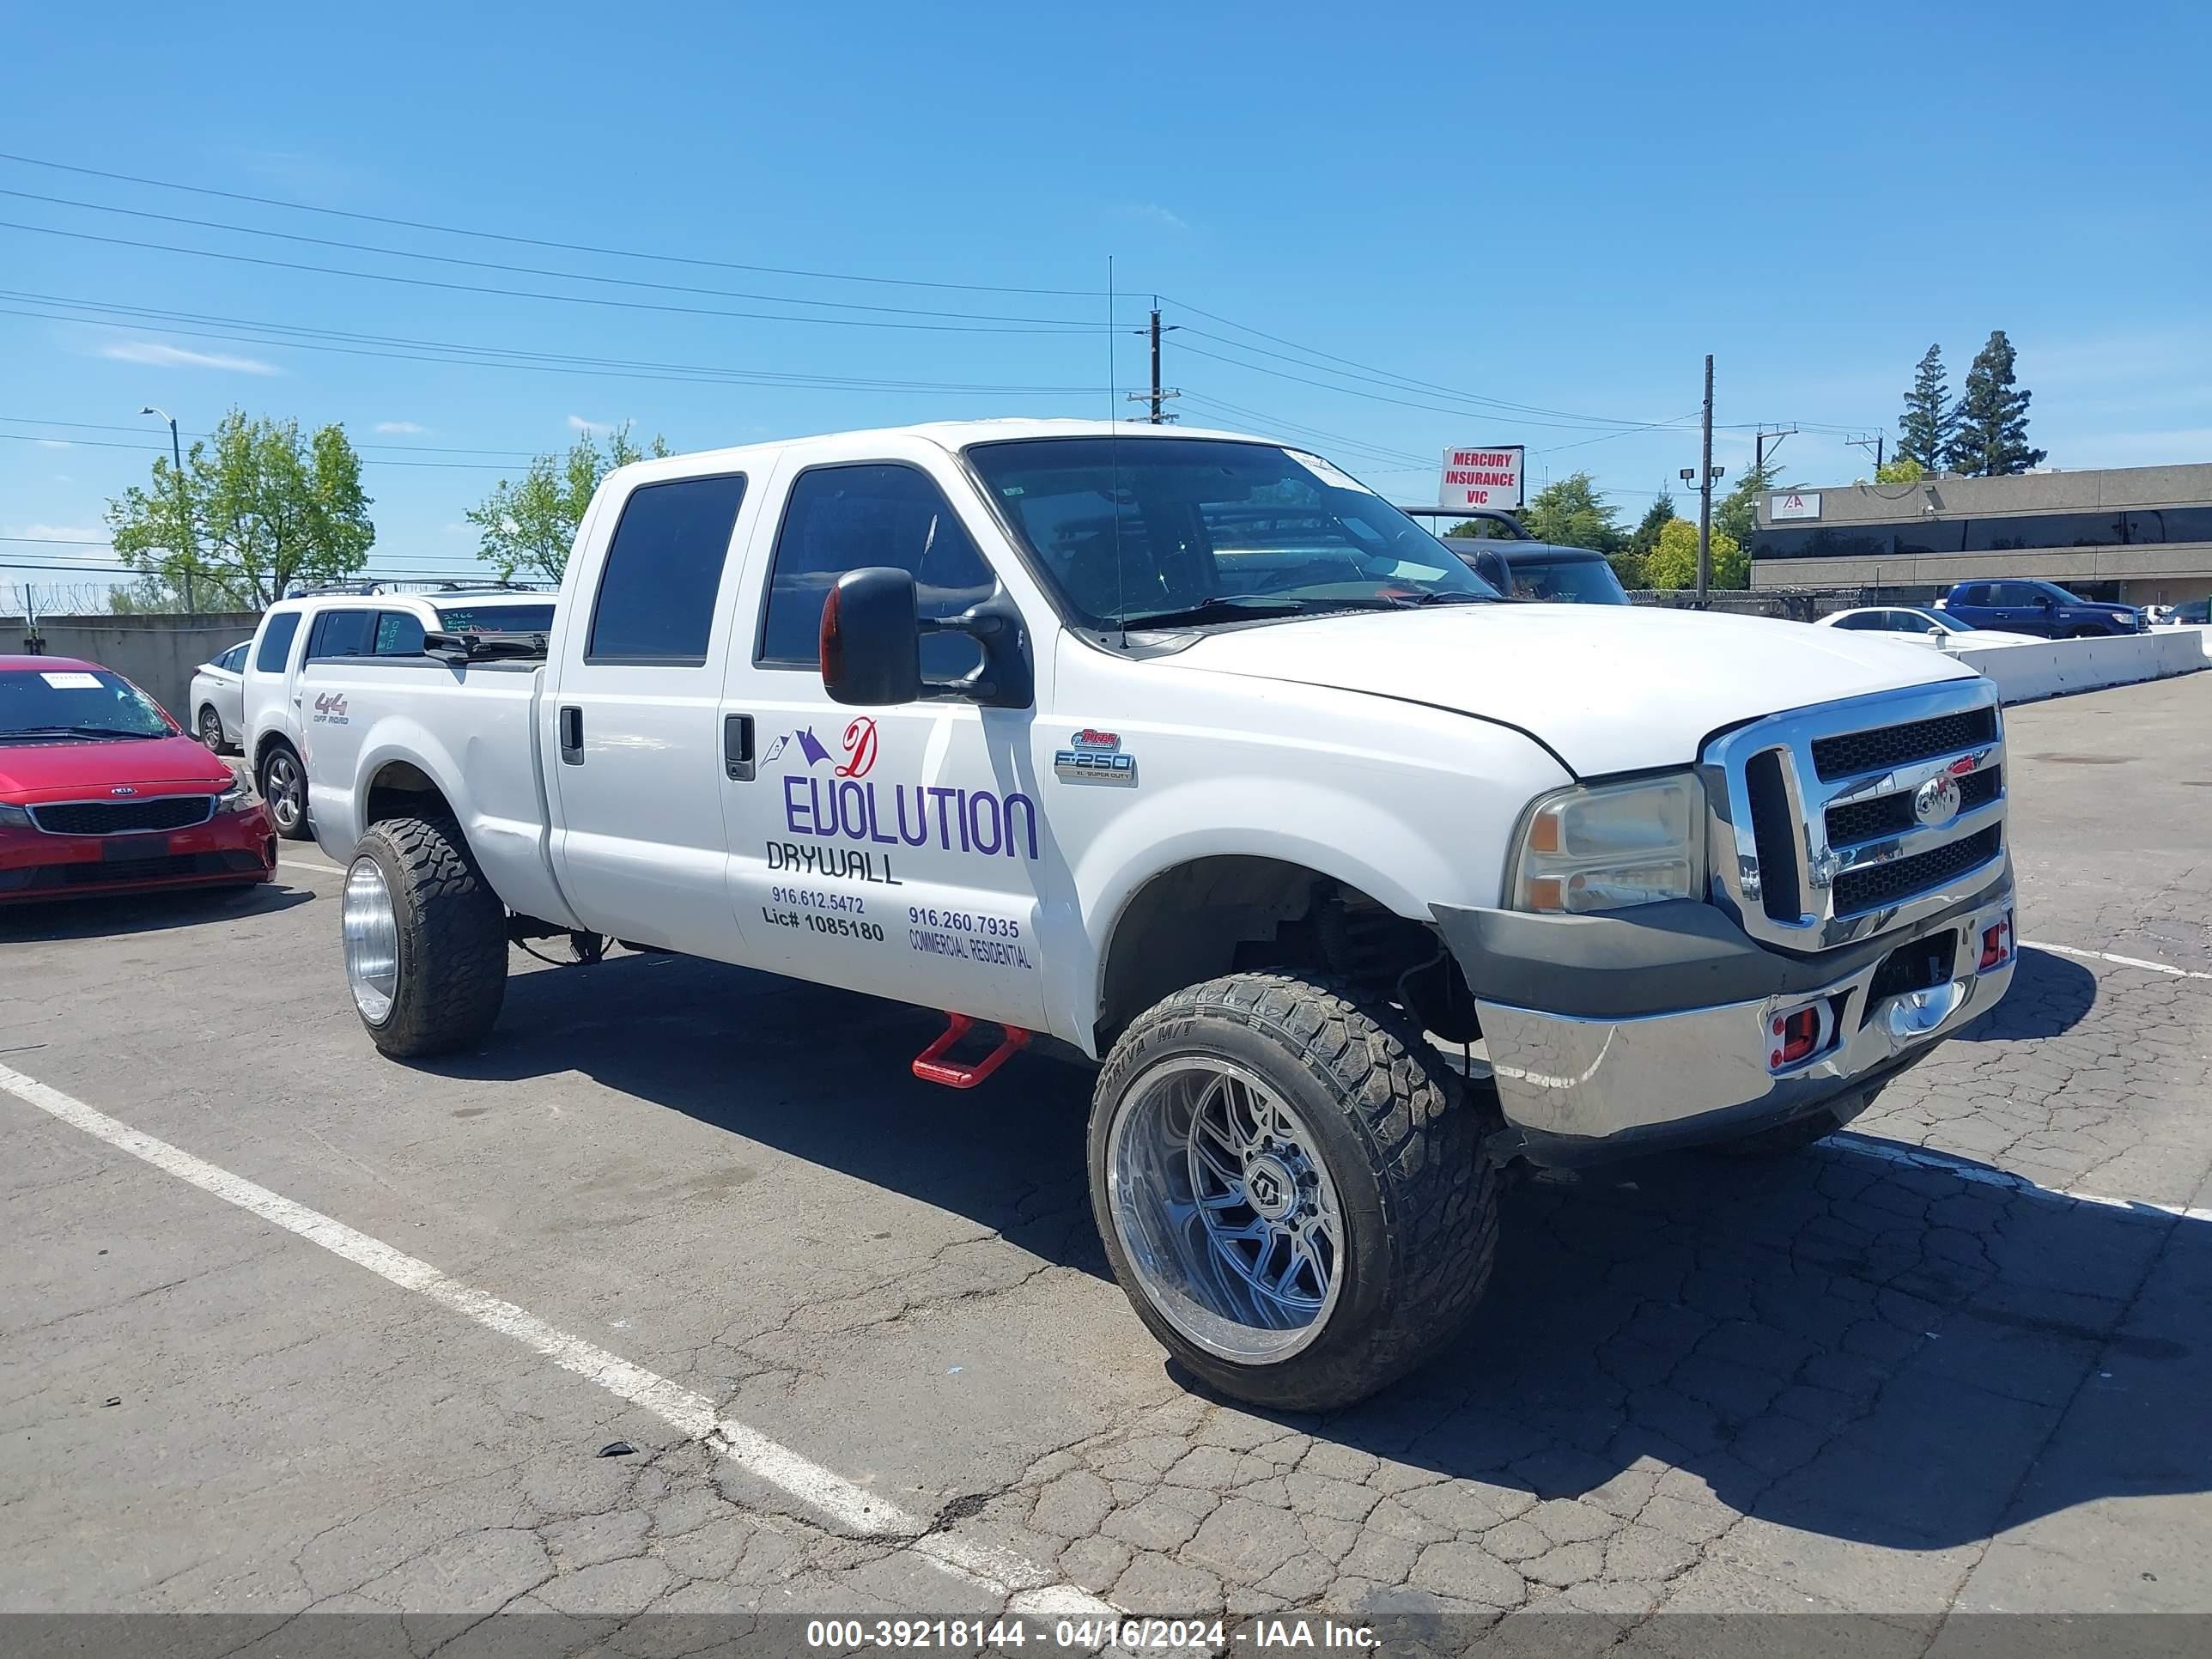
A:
[101,792]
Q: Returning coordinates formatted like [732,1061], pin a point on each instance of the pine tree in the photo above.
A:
[1991,441]
[1645,536]
[1925,430]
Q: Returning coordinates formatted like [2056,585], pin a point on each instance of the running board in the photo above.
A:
[931,1065]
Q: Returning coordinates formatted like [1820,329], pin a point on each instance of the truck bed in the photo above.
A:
[374,723]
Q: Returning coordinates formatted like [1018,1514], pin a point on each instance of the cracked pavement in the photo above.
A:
[1847,1383]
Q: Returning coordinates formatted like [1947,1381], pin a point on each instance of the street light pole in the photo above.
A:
[183,504]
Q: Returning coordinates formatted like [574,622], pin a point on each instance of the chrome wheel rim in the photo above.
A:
[371,928]
[1225,1210]
[211,730]
[284,791]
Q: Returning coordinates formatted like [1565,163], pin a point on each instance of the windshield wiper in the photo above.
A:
[1231,607]
[1449,596]
[74,731]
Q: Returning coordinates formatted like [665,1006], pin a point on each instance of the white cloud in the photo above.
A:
[61,532]
[53,443]
[1154,213]
[578,424]
[406,429]
[168,357]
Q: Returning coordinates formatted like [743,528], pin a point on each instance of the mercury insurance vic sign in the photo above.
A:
[1482,477]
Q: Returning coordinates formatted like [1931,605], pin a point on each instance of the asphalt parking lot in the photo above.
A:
[353,1335]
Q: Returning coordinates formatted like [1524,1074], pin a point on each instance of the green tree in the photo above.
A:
[1645,536]
[259,508]
[529,525]
[1570,513]
[1673,563]
[1991,441]
[1736,514]
[1904,469]
[1481,530]
[1931,422]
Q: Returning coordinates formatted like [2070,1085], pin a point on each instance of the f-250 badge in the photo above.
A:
[1094,756]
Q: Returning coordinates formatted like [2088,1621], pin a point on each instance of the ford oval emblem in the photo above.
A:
[123,789]
[1936,803]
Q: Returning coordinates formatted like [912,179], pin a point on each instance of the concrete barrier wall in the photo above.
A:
[2050,667]
[156,654]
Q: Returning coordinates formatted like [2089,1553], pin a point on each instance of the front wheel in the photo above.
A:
[212,730]
[284,786]
[1293,1200]
[425,940]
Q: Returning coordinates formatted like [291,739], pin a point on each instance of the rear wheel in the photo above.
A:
[1295,1203]
[211,729]
[425,940]
[284,786]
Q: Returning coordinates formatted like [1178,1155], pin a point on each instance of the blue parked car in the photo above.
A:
[2041,608]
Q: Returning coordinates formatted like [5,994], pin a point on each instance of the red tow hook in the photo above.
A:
[931,1065]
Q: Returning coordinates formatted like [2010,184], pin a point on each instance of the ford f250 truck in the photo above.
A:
[1188,753]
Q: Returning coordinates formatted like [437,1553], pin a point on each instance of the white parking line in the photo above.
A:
[293,861]
[2107,956]
[1007,1576]
[1896,1151]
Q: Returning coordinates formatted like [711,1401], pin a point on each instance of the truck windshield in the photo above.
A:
[1195,532]
[1566,580]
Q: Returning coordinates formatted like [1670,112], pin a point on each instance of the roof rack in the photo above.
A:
[318,590]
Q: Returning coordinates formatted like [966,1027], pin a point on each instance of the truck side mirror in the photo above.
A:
[872,638]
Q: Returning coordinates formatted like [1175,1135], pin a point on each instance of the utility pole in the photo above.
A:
[184,505]
[1158,395]
[1156,365]
[1705,495]
[1879,442]
[1759,446]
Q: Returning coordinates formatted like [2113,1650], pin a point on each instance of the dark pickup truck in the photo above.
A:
[2035,607]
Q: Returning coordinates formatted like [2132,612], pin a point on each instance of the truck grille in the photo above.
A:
[1891,815]
[100,817]
[1878,884]
[1854,752]
[1816,839]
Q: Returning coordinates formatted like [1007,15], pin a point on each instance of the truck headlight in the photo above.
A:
[1609,846]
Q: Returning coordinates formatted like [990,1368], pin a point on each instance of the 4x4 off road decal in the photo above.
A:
[849,805]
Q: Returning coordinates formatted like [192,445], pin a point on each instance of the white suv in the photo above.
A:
[359,620]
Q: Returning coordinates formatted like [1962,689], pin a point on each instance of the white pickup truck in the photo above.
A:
[1186,753]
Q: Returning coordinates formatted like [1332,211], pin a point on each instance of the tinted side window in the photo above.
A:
[2170,524]
[276,642]
[398,635]
[233,660]
[1859,624]
[1972,593]
[340,634]
[664,567]
[844,518]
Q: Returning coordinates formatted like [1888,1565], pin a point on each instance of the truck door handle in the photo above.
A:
[738,748]
[572,735]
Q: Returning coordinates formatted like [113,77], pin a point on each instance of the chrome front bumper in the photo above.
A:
[1582,1088]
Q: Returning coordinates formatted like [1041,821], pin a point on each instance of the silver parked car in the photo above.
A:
[218,699]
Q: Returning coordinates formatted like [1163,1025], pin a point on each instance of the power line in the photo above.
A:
[481,356]
[1404,380]
[538,294]
[536,242]
[525,270]
[417,449]
[1375,397]
[158,449]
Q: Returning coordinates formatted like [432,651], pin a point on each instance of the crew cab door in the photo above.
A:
[629,731]
[899,851]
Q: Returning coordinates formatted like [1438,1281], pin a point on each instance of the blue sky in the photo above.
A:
[1556,209]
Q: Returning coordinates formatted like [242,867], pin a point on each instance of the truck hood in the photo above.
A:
[32,771]
[1609,688]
